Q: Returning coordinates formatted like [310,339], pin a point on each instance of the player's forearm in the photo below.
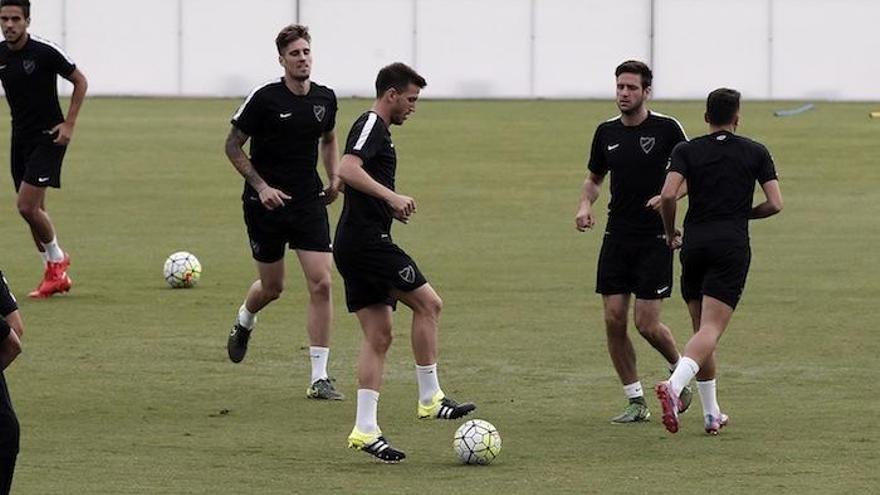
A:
[240,161]
[589,192]
[330,157]
[764,210]
[354,176]
[80,87]
[667,212]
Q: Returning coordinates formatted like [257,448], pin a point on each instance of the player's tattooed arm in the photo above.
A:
[584,218]
[270,197]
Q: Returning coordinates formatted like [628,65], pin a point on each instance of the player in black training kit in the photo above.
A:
[284,200]
[634,259]
[11,328]
[376,271]
[721,169]
[29,70]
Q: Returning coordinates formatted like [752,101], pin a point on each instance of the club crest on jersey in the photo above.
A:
[319,110]
[29,66]
[647,144]
[408,274]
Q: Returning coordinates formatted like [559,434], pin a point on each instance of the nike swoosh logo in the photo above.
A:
[285,115]
[43,179]
[612,147]
[661,291]
[2,67]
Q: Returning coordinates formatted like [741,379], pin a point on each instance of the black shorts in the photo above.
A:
[642,267]
[715,271]
[302,227]
[7,470]
[37,161]
[372,269]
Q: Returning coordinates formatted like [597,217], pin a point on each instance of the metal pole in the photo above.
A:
[651,20]
[179,47]
[296,11]
[532,8]
[770,49]
[415,34]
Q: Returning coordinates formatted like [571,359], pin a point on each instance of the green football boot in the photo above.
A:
[636,412]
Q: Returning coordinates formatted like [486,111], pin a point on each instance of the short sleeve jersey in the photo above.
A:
[721,170]
[30,80]
[285,129]
[9,436]
[637,157]
[369,140]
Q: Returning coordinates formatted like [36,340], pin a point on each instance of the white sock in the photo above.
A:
[246,318]
[429,384]
[45,258]
[685,372]
[633,390]
[319,357]
[53,251]
[367,410]
[708,397]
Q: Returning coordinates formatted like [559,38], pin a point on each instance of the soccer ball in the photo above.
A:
[182,270]
[477,442]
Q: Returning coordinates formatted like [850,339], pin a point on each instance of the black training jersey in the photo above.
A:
[284,129]
[369,140]
[30,79]
[7,300]
[637,157]
[8,421]
[721,170]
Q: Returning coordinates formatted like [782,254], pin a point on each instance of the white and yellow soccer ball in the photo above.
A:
[476,442]
[182,270]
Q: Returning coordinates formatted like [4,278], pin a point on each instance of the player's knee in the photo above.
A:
[27,210]
[647,326]
[615,323]
[434,305]
[381,341]
[320,288]
[273,291]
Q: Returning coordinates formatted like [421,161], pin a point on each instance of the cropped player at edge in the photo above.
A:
[634,259]
[376,271]
[284,200]
[29,69]
[721,169]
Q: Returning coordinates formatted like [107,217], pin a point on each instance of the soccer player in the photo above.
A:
[376,271]
[11,328]
[720,169]
[29,67]
[634,147]
[289,121]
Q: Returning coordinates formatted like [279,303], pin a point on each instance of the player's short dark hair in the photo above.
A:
[398,76]
[290,34]
[722,106]
[636,67]
[24,4]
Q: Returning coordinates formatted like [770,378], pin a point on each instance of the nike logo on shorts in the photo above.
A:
[612,147]
[43,179]
[662,290]
[285,115]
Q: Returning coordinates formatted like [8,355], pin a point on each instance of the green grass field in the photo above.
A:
[124,386]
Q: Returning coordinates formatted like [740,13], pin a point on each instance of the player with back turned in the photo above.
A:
[11,329]
[634,147]
[721,169]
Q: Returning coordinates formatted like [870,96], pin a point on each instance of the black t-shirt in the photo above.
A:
[721,170]
[30,79]
[637,157]
[9,436]
[369,140]
[284,130]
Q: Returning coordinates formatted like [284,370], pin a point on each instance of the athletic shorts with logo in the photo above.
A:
[372,269]
[305,227]
[715,271]
[635,266]
[37,161]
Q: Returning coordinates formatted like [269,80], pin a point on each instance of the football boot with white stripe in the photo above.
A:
[442,407]
[376,445]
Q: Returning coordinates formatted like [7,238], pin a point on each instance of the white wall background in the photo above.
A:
[768,49]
